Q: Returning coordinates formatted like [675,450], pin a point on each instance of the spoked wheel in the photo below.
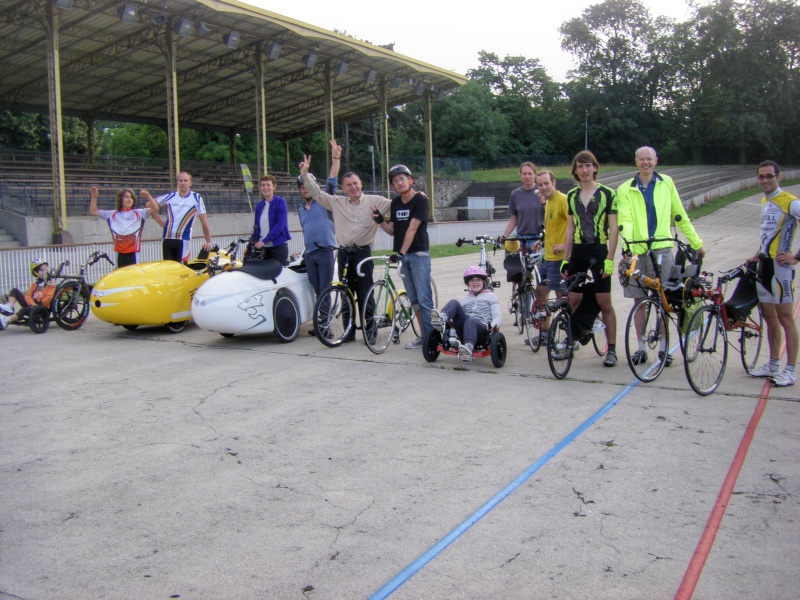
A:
[599,337]
[176,326]
[707,344]
[559,345]
[498,348]
[39,319]
[646,333]
[750,339]
[334,316]
[533,324]
[405,315]
[70,305]
[286,317]
[379,321]
[519,300]
[430,345]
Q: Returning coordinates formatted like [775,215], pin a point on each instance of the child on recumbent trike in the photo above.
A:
[40,293]
[475,319]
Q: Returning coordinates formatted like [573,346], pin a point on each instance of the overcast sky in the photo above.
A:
[451,35]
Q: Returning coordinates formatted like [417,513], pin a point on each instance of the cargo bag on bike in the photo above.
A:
[513,267]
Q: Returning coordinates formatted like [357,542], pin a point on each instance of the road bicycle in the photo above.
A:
[706,345]
[335,308]
[564,328]
[522,268]
[390,311]
[485,263]
[647,329]
[70,305]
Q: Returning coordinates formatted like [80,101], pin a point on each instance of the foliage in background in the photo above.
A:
[721,87]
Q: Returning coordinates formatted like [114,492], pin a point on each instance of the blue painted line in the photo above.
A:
[437,548]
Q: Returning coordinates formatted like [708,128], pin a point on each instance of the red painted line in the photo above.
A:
[695,568]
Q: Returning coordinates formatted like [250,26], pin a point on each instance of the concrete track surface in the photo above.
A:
[145,465]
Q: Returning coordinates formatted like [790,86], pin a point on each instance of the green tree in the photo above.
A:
[619,75]
[470,123]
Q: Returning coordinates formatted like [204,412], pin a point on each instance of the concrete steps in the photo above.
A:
[690,181]
[8,241]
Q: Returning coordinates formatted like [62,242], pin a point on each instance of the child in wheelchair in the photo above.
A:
[474,317]
[40,293]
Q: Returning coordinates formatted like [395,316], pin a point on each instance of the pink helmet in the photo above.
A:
[475,272]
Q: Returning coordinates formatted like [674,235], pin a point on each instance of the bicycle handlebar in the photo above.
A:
[382,258]
[476,241]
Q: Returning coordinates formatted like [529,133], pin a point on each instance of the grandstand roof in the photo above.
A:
[116,71]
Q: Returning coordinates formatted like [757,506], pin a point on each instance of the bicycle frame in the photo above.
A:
[485,264]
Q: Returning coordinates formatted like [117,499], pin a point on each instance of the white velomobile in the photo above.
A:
[260,297]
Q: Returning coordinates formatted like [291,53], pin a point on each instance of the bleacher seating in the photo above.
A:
[29,175]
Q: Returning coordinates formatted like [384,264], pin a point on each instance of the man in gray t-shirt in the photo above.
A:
[525,206]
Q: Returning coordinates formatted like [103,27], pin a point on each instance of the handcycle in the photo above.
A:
[485,263]
[647,329]
[389,313]
[706,344]
[566,329]
[492,344]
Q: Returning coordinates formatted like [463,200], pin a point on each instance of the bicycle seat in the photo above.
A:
[744,298]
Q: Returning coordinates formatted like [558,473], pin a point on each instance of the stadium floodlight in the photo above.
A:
[184,27]
[273,50]
[159,19]
[370,76]
[420,89]
[201,28]
[232,40]
[342,68]
[310,59]
[396,81]
[127,13]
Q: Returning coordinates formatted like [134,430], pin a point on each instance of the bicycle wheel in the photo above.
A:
[559,345]
[599,337]
[707,342]
[70,305]
[644,350]
[379,323]
[533,324]
[750,339]
[434,295]
[334,315]
[518,306]
[405,315]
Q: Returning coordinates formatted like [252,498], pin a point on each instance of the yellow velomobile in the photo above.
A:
[157,293]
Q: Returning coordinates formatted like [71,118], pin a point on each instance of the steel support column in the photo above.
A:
[329,122]
[170,49]
[60,233]
[427,121]
[261,112]
[383,102]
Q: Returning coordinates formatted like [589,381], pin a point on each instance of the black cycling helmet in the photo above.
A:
[398,170]
[300,179]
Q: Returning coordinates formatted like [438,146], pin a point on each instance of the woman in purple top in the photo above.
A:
[271,230]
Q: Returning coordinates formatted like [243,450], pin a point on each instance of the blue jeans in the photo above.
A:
[416,275]
[319,266]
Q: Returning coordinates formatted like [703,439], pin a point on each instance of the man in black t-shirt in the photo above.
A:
[408,223]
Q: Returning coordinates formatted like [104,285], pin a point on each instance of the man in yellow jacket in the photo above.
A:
[647,205]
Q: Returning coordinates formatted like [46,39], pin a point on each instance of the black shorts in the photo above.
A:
[579,260]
